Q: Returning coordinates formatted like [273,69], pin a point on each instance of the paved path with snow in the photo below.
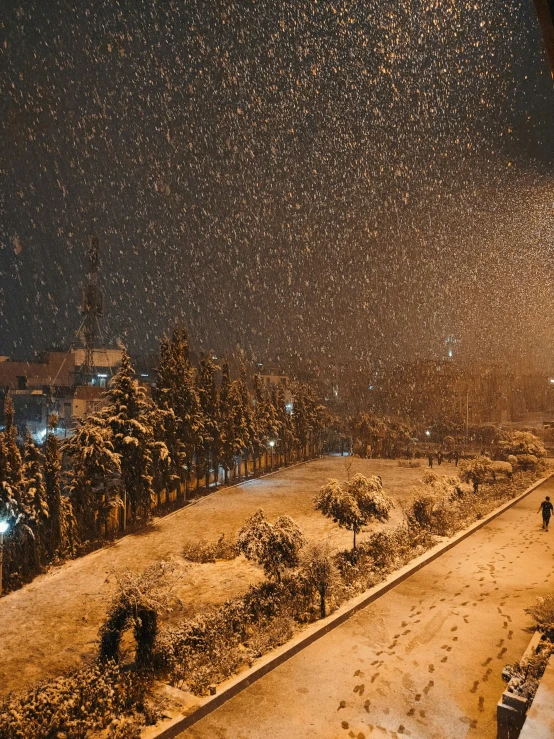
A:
[424,661]
[52,623]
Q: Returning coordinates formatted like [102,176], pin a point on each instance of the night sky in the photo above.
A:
[349,179]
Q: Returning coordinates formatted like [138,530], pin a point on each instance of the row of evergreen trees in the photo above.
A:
[136,446]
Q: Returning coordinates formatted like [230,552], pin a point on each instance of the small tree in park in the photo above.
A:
[475,471]
[274,546]
[320,571]
[355,503]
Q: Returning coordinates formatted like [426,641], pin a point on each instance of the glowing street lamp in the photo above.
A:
[4,526]
[271,446]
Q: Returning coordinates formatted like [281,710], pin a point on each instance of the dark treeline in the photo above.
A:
[199,424]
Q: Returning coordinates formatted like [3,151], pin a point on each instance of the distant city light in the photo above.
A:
[289,407]
[552,380]
[427,433]
[371,387]
[271,443]
[4,526]
[102,376]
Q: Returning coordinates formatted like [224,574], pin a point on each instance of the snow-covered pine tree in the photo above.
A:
[209,450]
[94,478]
[175,395]
[286,427]
[12,450]
[127,415]
[264,421]
[53,487]
[227,427]
[35,500]
[242,418]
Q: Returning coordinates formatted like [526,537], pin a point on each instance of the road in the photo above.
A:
[424,661]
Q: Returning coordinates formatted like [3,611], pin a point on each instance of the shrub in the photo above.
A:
[355,503]
[139,601]
[274,546]
[527,461]
[501,468]
[74,705]
[320,571]
[543,615]
[475,471]
[524,676]
[203,552]
[521,442]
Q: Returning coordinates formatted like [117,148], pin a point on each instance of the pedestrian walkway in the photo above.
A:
[424,661]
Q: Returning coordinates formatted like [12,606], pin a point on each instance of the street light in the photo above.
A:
[4,526]
[271,446]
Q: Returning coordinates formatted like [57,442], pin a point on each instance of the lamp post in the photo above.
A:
[3,528]
[271,446]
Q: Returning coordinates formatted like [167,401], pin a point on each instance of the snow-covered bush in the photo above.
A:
[73,706]
[524,677]
[543,614]
[501,468]
[521,442]
[354,503]
[320,570]
[200,551]
[410,463]
[527,461]
[275,547]
[475,471]
[137,605]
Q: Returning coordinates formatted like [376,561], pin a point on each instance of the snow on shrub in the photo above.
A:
[203,552]
[354,503]
[527,461]
[543,615]
[523,677]
[274,546]
[501,468]
[475,471]
[75,705]
[320,570]
[521,442]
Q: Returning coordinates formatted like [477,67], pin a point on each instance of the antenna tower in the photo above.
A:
[91,310]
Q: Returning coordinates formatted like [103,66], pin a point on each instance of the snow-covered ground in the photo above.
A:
[424,661]
[52,624]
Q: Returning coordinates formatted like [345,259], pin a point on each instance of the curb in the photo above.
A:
[229,688]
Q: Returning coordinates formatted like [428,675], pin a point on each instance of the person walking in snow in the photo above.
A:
[546,508]
[456,457]
[430,458]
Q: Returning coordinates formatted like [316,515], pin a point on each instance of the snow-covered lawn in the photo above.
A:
[52,624]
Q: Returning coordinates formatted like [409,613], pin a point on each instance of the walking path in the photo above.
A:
[424,661]
[52,623]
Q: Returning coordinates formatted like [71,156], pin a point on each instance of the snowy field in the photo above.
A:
[52,623]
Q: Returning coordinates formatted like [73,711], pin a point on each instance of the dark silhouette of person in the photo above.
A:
[546,508]
[430,458]
[456,457]
[439,458]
